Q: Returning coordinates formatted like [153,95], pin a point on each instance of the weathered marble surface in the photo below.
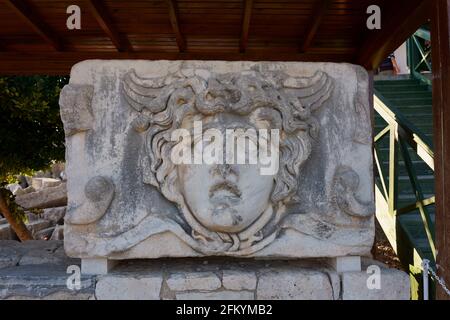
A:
[127,200]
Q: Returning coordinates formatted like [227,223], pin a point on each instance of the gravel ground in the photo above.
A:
[383,251]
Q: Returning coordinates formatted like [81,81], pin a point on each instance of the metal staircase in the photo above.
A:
[405,179]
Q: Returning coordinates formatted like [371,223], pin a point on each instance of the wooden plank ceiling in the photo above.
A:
[34,38]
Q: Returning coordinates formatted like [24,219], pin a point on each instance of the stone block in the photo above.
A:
[38,225]
[393,285]
[58,233]
[21,192]
[320,113]
[239,280]
[97,266]
[193,281]
[43,183]
[346,264]
[56,215]
[116,287]
[44,198]
[294,285]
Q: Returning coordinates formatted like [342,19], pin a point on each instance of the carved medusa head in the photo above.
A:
[228,207]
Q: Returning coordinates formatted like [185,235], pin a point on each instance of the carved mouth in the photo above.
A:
[225,190]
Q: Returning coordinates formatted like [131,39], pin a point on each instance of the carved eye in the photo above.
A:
[209,96]
[181,101]
[251,88]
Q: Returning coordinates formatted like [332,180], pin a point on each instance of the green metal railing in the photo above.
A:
[404,138]
[419,55]
[400,142]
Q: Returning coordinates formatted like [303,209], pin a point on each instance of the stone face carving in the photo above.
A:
[319,203]
[233,205]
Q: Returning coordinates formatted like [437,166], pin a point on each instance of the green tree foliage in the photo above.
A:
[31,131]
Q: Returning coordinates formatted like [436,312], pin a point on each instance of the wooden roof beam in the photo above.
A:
[174,21]
[99,11]
[314,24]
[245,25]
[26,13]
[398,24]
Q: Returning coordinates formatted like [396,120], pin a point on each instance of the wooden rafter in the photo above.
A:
[174,21]
[211,27]
[404,18]
[26,13]
[314,24]
[100,14]
[245,25]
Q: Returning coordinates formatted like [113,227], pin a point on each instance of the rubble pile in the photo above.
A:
[44,199]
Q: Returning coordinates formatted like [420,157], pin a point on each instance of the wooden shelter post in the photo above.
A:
[441,116]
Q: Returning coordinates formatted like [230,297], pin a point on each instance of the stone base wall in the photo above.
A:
[219,280]
[243,280]
[39,271]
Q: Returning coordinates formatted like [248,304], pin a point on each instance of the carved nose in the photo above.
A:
[225,171]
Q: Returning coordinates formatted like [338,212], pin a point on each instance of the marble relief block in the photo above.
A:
[130,197]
